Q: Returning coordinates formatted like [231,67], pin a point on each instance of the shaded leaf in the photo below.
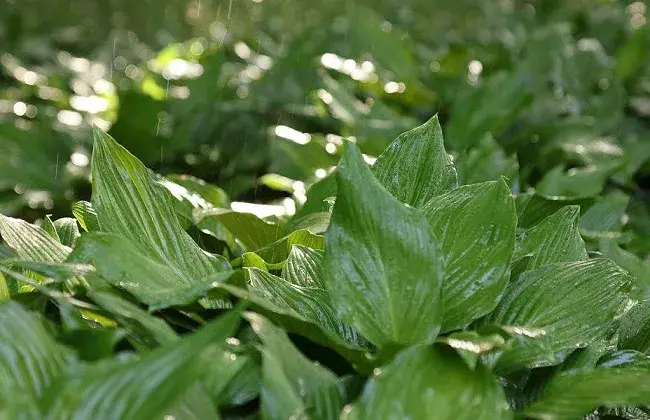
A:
[623,378]
[415,167]
[304,267]
[605,218]
[292,385]
[139,388]
[475,225]
[431,382]
[86,215]
[253,232]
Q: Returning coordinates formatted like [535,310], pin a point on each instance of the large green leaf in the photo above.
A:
[292,385]
[310,302]
[555,239]
[415,167]
[476,226]
[623,378]
[31,242]
[122,264]
[139,388]
[383,266]
[86,215]
[30,359]
[605,218]
[431,382]
[129,203]
[559,308]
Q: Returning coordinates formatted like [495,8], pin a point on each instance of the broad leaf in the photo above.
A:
[310,302]
[292,385]
[623,378]
[30,358]
[383,266]
[129,203]
[139,388]
[31,242]
[476,226]
[555,239]
[122,264]
[559,308]
[431,382]
[415,167]
[279,250]
[470,344]
[67,230]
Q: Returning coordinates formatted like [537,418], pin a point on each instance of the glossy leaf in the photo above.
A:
[623,378]
[304,267]
[415,167]
[383,266]
[280,249]
[475,225]
[31,242]
[130,204]
[138,388]
[470,344]
[86,216]
[122,264]
[559,308]
[431,382]
[67,230]
[555,239]
[292,385]
[311,302]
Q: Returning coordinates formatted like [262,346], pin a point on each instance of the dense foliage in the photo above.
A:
[284,257]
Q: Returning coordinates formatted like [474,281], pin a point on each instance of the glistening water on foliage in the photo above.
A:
[444,307]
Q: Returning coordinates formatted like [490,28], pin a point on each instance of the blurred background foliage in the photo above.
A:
[257,96]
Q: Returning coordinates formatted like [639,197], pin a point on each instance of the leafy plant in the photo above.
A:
[393,292]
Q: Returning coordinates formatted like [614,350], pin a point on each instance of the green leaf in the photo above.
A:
[431,382]
[279,250]
[48,226]
[631,263]
[253,232]
[309,302]
[555,239]
[383,267]
[195,405]
[476,226]
[605,218]
[131,204]
[85,214]
[304,267]
[213,195]
[292,385]
[31,242]
[415,167]
[31,359]
[67,230]
[120,263]
[623,378]
[575,183]
[559,308]
[533,208]
[139,388]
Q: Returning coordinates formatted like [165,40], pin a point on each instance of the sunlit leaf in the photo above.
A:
[31,242]
[415,167]
[67,230]
[476,226]
[383,267]
[559,308]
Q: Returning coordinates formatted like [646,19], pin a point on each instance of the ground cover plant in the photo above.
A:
[394,291]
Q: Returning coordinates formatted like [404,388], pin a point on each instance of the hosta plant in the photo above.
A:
[392,293]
